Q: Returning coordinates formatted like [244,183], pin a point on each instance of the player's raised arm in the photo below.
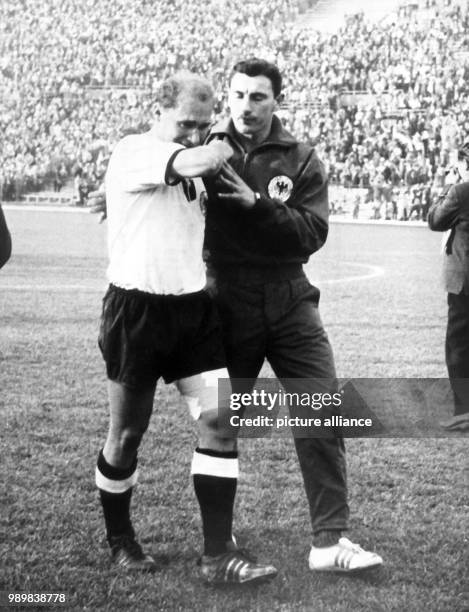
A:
[201,161]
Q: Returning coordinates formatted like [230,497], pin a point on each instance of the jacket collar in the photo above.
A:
[278,134]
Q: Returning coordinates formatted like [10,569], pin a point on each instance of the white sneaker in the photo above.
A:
[342,557]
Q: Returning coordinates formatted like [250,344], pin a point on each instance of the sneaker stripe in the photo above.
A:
[336,560]
[237,569]
[229,569]
[348,559]
[340,558]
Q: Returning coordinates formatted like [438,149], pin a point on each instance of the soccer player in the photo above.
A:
[159,322]
[5,240]
[267,212]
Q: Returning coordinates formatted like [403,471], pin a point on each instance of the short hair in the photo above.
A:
[258,67]
[183,84]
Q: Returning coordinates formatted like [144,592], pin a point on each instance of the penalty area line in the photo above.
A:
[373,272]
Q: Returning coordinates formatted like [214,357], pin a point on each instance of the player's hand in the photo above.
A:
[205,160]
[220,152]
[97,204]
[232,188]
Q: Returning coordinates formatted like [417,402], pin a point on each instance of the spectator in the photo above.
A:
[451,212]
[81,188]
[85,72]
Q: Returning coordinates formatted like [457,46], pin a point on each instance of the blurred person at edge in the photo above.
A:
[5,240]
[450,213]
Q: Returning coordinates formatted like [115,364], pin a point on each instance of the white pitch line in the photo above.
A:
[334,219]
[339,219]
[374,271]
[45,208]
[52,288]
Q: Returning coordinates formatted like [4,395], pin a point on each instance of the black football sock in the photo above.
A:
[215,477]
[115,490]
[326,538]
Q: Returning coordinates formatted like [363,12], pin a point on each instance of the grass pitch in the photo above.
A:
[385,314]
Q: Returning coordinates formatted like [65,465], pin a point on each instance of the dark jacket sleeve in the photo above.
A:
[451,207]
[5,240]
[300,225]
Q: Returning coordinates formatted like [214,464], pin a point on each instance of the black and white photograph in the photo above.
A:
[234,304]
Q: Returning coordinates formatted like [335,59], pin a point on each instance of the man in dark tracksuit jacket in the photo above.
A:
[267,212]
[451,212]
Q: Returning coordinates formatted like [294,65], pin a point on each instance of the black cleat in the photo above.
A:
[235,567]
[127,554]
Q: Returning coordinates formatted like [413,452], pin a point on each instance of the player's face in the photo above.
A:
[187,124]
[252,105]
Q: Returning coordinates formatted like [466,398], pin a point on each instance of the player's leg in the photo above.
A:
[299,351]
[215,460]
[127,343]
[243,338]
[116,470]
[215,476]
[130,412]
[232,341]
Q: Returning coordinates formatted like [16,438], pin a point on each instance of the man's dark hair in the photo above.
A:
[257,67]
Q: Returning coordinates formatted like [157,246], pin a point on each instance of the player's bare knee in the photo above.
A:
[208,420]
[221,445]
[215,439]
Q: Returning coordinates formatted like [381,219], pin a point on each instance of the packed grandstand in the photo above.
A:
[386,104]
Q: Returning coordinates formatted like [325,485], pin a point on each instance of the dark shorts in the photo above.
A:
[144,336]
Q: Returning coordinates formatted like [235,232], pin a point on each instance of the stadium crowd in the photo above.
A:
[385,104]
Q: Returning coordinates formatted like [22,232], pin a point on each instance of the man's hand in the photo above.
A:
[234,189]
[97,203]
[206,160]
[223,150]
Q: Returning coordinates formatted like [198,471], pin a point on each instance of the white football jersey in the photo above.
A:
[155,230]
